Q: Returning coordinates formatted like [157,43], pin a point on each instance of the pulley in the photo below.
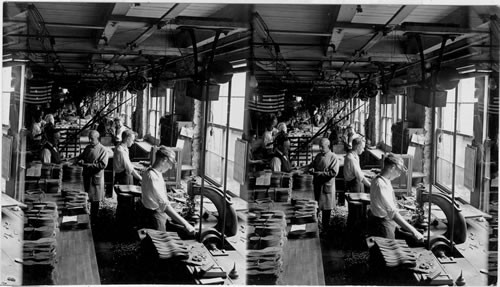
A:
[221,71]
[447,78]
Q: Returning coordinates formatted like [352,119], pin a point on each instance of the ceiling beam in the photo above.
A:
[204,23]
[345,13]
[403,12]
[49,36]
[159,52]
[104,37]
[174,11]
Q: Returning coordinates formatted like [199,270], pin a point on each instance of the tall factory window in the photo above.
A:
[390,114]
[216,135]
[158,106]
[6,90]
[469,90]
[360,115]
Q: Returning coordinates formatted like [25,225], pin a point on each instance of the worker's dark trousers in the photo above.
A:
[325,219]
[94,210]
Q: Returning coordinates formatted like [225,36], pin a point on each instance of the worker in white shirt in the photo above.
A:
[122,166]
[384,215]
[154,193]
[348,136]
[354,177]
[119,129]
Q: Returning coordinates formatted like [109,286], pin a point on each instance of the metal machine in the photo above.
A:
[457,227]
[227,224]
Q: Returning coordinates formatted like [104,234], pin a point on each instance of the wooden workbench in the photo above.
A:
[76,258]
[302,258]
[12,243]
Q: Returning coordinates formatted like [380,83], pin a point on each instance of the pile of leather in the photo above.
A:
[75,202]
[276,194]
[47,185]
[72,173]
[39,246]
[392,253]
[51,171]
[166,245]
[266,238]
[279,188]
[305,211]
[303,182]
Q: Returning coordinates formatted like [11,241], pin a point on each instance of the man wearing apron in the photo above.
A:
[122,166]
[384,216]
[94,160]
[154,193]
[354,177]
[324,167]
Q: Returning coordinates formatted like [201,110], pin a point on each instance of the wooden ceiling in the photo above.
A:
[292,46]
[309,47]
[92,42]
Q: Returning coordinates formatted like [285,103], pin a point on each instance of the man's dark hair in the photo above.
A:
[356,142]
[392,160]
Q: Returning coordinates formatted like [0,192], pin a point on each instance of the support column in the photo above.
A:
[141,114]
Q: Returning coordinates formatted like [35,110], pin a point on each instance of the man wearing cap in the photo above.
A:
[354,177]
[154,192]
[383,215]
[94,160]
[324,167]
[122,166]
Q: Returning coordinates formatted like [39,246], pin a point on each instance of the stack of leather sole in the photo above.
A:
[51,171]
[168,245]
[75,202]
[39,259]
[281,179]
[264,265]
[305,211]
[39,245]
[394,253]
[266,239]
[303,182]
[72,173]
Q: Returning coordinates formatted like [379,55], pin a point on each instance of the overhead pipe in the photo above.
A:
[453,169]
[433,156]
[228,118]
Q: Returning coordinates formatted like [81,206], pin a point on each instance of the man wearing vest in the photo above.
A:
[280,161]
[50,153]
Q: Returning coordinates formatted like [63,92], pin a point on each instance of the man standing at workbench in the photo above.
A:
[324,167]
[122,166]
[355,180]
[94,160]
[383,214]
[154,193]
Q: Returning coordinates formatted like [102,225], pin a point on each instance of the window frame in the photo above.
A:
[439,126]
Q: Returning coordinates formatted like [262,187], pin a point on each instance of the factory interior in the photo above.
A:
[250,143]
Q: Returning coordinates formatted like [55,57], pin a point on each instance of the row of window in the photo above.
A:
[466,96]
